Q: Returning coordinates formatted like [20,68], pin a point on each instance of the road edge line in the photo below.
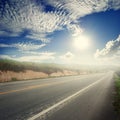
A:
[63,101]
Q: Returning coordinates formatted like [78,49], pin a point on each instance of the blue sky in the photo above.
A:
[69,31]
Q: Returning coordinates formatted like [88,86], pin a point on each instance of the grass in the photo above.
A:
[117,94]
[10,68]
[11,65]
[48,68]
[14,79]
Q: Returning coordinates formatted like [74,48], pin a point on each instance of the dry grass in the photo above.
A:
[12,76]
[64,73]
[117,95]
[13,70]
[6,76]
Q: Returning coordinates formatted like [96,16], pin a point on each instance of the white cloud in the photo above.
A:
[29,16]
[38,57]
[5,57]
[37,36]
[67,56]
[46,53]
[18,15]
[75,29]
[114,4]
[23,46]
[111,52]
[4,33]
[80,8]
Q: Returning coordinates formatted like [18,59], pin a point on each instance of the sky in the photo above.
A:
[60,31]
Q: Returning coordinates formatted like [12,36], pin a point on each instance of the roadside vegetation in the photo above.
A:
[11,65]
[11,70]
[117,94]
[48,68]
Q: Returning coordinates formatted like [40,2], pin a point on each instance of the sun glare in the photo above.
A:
[81,42]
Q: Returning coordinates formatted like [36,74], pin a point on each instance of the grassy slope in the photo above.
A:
[117,94]
[9,69]
[10,65]
[48,68]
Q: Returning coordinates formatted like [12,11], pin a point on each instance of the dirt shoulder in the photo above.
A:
[6,76]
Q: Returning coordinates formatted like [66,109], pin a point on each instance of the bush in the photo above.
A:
[11,65]
[117,95]
[14,79]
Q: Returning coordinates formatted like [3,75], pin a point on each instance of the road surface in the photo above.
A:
[84,97]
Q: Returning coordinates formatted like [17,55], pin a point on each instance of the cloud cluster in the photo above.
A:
[37,19]
[67,56]
[37,58]
[17,16]
[75,29]
[32,57]
[23,46]
[111,52]
[6,57]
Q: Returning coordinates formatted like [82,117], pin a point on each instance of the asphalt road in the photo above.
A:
[84,97]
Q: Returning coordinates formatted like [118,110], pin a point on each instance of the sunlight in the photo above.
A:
[81,42]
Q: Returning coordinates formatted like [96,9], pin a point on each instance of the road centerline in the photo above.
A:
[33,87]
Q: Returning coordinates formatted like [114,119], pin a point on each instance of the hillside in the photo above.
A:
[13,70]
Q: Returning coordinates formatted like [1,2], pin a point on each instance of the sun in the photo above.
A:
[81,42]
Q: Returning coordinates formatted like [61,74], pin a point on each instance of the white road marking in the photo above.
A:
[63,101]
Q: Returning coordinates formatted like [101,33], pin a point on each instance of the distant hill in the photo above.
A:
[11,70]
[11,65]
